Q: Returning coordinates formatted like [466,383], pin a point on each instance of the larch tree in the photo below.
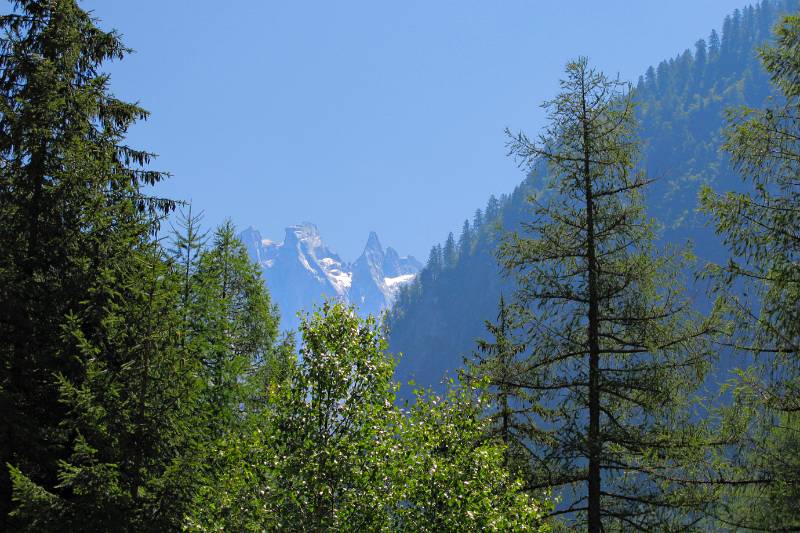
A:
[614,349]
[761,282]
[497,365]
[235,324]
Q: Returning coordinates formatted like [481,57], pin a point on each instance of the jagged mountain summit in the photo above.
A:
[301,271]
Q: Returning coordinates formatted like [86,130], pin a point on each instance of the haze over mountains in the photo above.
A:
[681,111]
[302,271]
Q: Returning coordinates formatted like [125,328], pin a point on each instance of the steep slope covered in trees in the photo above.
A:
[681,113]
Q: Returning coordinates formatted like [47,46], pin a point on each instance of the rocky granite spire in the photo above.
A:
[301,271]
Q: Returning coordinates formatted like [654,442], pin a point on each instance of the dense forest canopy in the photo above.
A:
[145,385]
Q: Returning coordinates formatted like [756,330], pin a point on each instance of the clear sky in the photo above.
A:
[366,115]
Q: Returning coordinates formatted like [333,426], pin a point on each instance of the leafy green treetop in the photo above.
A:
[333,451]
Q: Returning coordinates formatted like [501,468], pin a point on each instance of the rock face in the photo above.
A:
[301,271]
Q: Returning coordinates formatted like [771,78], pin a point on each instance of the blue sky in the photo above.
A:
[365,115]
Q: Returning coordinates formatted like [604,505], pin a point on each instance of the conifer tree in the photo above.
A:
[713,45]
[236,324]
[129,414]
[477,220]
[434,265]
[450,252]
[70,209]
[761,281]
[465,241]
[700,61]
[492,208]
[613,349]
[511,409]
[188,241]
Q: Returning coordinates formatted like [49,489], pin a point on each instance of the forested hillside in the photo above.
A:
[681,110]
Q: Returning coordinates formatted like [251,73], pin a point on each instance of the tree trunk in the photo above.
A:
[594,445]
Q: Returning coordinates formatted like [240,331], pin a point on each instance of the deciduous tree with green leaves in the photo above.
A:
[318,458]
[454,478]
[331,450]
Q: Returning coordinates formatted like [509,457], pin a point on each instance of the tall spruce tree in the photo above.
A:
[450,252]
[614,350]
[129,413]
[169,377]
[70,209]
[465,241]
[761,228]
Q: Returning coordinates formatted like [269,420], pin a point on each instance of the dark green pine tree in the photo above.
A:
[700,63]
[761,281]
[70,210]
[433,268]
[129,413]
[492,209]
[477,220]
[166,383]
[713,45]
[614,351]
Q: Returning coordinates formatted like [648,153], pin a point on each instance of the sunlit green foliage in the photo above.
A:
[333,451]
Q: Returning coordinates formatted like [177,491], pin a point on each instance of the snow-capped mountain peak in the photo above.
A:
[301,271]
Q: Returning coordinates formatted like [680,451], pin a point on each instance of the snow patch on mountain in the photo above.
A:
[398,281]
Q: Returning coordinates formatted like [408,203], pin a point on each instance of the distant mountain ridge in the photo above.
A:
[302,271]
